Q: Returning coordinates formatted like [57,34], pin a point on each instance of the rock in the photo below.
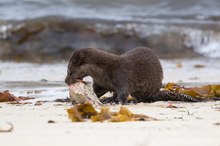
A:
[49,39]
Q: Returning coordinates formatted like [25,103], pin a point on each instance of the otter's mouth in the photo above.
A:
[75,81]
[72,80]
[78,80]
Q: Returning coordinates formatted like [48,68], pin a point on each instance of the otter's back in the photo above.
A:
[144,71]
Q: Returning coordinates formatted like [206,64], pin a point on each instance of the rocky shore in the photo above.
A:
[53,38]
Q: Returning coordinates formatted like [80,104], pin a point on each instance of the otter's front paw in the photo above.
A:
[122,97]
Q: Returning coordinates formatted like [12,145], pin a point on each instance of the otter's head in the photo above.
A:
[77,67]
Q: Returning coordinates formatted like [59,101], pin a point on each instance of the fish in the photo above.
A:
[82,92]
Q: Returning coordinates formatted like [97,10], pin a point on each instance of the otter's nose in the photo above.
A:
[68,81]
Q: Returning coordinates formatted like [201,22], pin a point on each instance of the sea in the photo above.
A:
[161,13]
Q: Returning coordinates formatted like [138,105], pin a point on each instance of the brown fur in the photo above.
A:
[137,72]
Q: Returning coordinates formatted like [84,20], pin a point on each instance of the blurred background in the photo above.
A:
[48,30]
[37,37]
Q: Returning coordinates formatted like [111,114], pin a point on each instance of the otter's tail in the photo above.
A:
[167,95]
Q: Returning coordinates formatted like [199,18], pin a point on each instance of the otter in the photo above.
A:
[137,72]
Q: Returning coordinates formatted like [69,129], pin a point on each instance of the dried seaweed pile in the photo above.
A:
[86,112]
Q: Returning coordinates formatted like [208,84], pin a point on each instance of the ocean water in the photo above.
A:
[140,10]
[164,15]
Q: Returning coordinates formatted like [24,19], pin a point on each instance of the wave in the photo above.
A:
[206,43]
[53,38]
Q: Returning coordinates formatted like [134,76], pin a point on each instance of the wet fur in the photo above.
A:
[137,72]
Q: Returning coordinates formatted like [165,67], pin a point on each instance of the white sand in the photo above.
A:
[191,124]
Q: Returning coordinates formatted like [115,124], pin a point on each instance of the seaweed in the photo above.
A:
[80,112]
[74,115]
[104,114]
[84,112]
[7,96]
[206,92]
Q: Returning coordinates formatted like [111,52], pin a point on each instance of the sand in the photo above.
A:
[189,124]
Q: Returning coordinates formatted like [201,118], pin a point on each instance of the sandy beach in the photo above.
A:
[37,38]
[188,124]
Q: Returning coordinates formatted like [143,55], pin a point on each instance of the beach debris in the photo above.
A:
[34,91]
[181,118]
[62,100]
[217,124]
[171,106]
[6,96]
[205,92]
[86,112]
[215,107]
[51,121]
[199,66]
[82,92]
[14,102]
[9,129]
[38,103]
[59,104]
[43,80]
[19,103]
[179,65]
[189,113]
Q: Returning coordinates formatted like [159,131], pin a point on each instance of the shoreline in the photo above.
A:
[175,70]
